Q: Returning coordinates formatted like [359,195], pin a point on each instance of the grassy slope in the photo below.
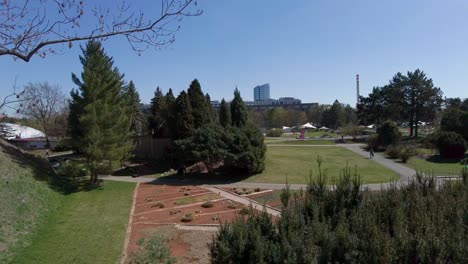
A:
[25,201]
[88,228]
[296,163]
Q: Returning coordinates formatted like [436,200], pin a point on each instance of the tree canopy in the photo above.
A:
[99,110]
[407,98]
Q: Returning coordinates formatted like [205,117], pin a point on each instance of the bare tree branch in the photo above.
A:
[29,28]
[45,102]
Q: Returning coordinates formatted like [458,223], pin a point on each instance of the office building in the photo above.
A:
[262,92]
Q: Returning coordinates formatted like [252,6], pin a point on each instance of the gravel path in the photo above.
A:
[244,200]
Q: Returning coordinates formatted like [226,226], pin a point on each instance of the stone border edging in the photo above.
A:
[129,226]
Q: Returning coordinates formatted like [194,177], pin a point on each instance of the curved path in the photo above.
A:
[406,174]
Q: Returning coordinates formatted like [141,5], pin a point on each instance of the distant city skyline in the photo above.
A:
[311,50]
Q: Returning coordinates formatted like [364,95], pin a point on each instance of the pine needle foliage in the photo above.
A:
[417,223]
[99,110]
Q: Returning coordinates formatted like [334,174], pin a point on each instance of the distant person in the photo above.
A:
[47,153]
[371,153]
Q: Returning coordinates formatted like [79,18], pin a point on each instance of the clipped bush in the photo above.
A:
[207,204]
[393,151]
[159,205]
[406,153]
[274,132]
[187,218]
[451,145]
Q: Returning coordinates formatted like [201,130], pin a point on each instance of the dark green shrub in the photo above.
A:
[455,120]
[372,142]
[153,250]
[393,151]
[72,169]
[415,223]
[187,218]
[207,204]
[451,145]
[158,205]
[246,150]
[388,134]
[274,132]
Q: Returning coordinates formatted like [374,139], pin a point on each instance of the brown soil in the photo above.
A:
[188,246]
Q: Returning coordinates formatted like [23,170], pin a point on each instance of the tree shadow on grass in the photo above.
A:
[42,170]
[142,169]
[440,159]
[219,176]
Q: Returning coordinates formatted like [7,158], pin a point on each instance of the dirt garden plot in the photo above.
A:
[164,207]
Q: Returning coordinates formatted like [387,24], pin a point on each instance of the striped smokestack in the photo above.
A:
[357,89]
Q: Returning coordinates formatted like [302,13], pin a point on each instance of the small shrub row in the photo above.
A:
[207,204]
[400,152]
[274,132]
[158,205]
[187,218]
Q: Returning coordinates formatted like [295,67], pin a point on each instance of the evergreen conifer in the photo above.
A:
[224,114]
[100,110]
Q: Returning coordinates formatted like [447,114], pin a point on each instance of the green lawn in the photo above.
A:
[295,163]
[89,227]
[302,142]
[436,166]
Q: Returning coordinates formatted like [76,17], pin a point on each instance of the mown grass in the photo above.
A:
[89,227]
[301,142]
[294,164]
[436,166]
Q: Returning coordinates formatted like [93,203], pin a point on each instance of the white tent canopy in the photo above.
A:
[324,128]
[287,129]
[22,131]
[307,125]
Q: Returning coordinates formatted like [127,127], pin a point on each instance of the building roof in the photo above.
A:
[23,132]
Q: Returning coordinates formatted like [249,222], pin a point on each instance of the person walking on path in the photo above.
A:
[371,153]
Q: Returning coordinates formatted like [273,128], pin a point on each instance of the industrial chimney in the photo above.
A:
[357,89]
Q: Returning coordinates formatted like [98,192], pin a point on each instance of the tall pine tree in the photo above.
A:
[225,114]
[101,109]
[201,109]
[134,109]
[170,112]
[239,113]
[183,118]
[158,110]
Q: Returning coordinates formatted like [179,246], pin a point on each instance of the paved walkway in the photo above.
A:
[406,174]
[244,200]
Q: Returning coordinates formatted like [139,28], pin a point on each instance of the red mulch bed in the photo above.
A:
[147,219]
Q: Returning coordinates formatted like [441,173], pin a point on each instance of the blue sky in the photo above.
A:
[311,50]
